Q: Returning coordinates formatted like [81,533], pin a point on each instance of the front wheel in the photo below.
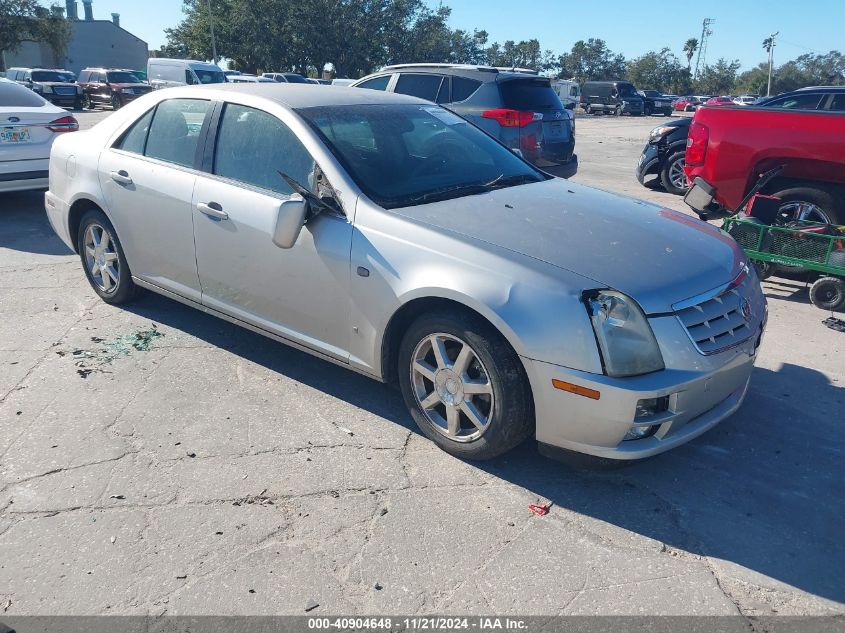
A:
[103,259]
[87,104]
[828,293]
[464,385]
[115,102]
[672,174]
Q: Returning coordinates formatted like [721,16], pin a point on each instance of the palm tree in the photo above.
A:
[690,47]
[767,44]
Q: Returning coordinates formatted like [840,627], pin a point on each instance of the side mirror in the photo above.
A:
[289,222]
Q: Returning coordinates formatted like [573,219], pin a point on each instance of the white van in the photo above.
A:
[569,92]
[164,73]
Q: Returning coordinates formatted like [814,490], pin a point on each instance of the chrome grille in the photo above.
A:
[64,90]
[718,322]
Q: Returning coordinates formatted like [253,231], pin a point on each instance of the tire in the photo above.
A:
[87,104]
[587,109]
[826,208]
[617,111]
[667,112]
[764,269]
[501,402]
[669,176]
[116,285]
[648,110]
[828,293]
[115,102]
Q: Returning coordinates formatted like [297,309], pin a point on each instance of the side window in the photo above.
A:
[376,83]
[422,86]
[837,103]
[254,146]
[809,101]
[189,78]
[463,88]
[134,139]
[175,130]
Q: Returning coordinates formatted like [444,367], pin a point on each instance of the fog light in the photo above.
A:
[641,432]
[649,407]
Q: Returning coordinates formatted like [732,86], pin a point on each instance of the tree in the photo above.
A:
[718,79]
[27,21]
[690,47]
[592,60]
[659,71]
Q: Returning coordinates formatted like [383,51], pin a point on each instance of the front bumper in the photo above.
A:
[698,399]
[649,162]
[57,214]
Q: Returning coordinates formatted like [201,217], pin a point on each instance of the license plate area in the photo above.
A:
[15,135]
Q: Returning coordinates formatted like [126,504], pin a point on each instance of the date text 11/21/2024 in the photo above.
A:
[419,623]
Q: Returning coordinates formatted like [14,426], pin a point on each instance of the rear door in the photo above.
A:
[547,138]
[148,178]
[423,85]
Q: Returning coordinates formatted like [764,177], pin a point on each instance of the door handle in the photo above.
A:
[121,176]
[212,210]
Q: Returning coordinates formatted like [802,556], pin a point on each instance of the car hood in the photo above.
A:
[657,256]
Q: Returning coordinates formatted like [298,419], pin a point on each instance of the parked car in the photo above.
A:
[745,100]
[243,78]
[663,156]
[140,74]
[110,87]
[291,78]
[655,101]
[569,92]
[810,98]
[28,126]
[166,73]
[729,148]
[518,108]
[611,97]
[55,85]
[687,104]
[725,100]
[419,251]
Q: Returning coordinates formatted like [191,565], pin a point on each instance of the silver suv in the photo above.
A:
[388,235]
[58,86]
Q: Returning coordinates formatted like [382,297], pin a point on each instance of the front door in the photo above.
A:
[148,180]
[299,293]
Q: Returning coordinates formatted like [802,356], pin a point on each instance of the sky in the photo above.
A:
[630,27]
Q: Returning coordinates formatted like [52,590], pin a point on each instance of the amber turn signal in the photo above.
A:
[576,389]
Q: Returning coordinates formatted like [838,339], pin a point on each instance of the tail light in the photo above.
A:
[512,118]
[64,124]
[697,144]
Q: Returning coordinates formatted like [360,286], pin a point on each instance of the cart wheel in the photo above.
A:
[764,269]
[828,293]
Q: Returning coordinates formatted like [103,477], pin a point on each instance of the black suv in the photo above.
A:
[656,101]
[611,97]
[518,107]
[56,85]
[663,156]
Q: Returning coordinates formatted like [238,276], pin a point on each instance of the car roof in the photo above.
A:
[821,88]
[486,73]
[306,96]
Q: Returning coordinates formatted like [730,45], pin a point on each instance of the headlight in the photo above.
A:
[659,132]
[46,89]
[626,342]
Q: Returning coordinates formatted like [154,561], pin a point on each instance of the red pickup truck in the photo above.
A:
[799,153]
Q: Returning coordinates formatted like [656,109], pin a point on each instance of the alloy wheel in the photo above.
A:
[677,176]
[802,210]
[102,258]
[452,387]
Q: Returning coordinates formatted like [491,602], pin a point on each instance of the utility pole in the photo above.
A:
[770,45]
[211,29]
[701,60]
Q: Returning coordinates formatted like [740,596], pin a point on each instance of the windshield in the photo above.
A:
[627,90]
[210,76]
[122,78]
[49,75]
[293,78]
[402,155]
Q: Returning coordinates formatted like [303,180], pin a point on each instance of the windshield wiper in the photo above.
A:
[507,181]
[450,192]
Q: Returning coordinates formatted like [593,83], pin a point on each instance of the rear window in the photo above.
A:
[15,95]
[529,94]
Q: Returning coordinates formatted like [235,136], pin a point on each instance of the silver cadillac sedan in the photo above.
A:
[388,235]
